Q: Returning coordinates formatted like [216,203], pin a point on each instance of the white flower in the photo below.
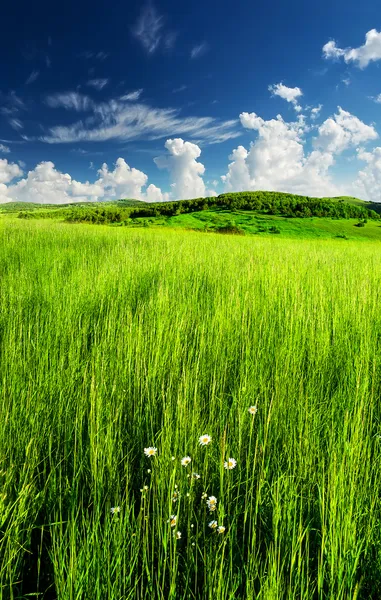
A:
[204,496]
[212,503]
[176,496]
[253,410]
[145,488]
[148,470]
[150,451]
[212,524]
[221,529]
[172,520]
[185,461]
[204,440]
[173,458]
[114,510]
[230,463]
[178,535]
[196,476]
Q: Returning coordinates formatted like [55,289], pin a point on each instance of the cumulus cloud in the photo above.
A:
[185,171]
[277,159]
[343,130]
[47,185]
[125,120]
[368,181]
[370,51]
[98,84]
[315,112]
[126,182]
[287,93]
[8,171]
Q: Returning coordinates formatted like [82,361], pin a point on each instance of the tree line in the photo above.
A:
[269,203]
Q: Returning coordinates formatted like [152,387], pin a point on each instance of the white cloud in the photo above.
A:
[16,124]
[10,104]
[47,185]
[4,149]
[70,101]
[148,29]
[8,171]
[377,99]
[199,50]
[132,96]
[124,120]
[343,130]
[32,77]
[98,84]
[368,181]
[185,172]
[288,94]
[361,56]
[315,112]
[277,159]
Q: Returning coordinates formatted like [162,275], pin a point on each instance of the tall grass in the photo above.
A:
[114,340]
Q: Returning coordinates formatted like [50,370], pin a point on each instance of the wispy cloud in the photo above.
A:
[70,101]
[199,50]
[94,55]
[124,120]
[98,84]
[48,62]
[149,30]
[16,124]
[132,96]
[32,77]
[182,88]
[4,149]
[11,104]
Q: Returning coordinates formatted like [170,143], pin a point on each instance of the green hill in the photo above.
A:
[246,213]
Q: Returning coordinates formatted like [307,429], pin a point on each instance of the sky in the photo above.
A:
[163,100]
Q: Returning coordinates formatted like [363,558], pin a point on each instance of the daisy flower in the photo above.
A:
[150,451]
[114,510]
[176,496]
[178,535]
[204,440]
[212,524]
[221,529]
[185,461]
[172,520]
[204,496]
[196,476]
[212,503]
[253,410]
[230,463]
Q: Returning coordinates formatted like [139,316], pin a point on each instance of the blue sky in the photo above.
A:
[163,100]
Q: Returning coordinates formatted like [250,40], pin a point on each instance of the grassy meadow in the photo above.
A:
[113,340]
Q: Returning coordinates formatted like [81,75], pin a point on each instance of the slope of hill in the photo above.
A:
[14,207]
[252,213]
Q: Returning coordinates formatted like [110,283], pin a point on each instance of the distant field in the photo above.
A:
[252,224]
[117,339]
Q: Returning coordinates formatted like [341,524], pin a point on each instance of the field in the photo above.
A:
[115,339]
[267,225]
